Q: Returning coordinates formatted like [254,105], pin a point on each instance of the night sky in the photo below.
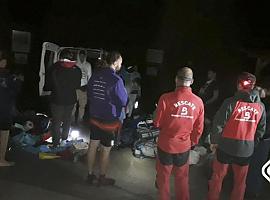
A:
[205,34]
[134,25]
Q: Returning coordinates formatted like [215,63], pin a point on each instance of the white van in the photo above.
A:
[50,54]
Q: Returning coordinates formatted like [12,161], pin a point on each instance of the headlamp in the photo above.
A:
[246,83]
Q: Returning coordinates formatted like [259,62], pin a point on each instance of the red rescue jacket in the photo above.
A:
[239,124]
[180,117]
[243,121]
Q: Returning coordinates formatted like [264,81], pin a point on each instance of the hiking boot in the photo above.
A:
[91,178]
[105,181]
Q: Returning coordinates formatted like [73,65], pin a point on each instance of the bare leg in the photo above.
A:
[104,159]
[104,162]
[91,155]
[3,148]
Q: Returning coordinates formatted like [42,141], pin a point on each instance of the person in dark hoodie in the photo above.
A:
[237,127]
[66,78]
[9,88]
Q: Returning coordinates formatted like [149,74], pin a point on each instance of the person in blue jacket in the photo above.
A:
[9,87]
[107,97]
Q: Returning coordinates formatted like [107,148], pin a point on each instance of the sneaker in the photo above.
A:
[105,181]
[91,178]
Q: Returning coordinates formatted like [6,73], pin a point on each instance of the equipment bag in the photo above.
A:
[145,148]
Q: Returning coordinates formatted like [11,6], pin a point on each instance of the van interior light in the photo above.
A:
[75,134]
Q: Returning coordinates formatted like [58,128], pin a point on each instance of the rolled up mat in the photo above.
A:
[44,156]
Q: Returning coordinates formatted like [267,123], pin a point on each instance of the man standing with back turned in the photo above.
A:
[107,96]
[179,117]
[66,78]
[238,125]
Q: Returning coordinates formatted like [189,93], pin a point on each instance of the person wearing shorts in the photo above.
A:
[106,98]
[104,137]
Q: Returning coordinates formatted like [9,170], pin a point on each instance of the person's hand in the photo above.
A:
[213,147]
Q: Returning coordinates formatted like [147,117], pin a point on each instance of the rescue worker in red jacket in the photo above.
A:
[179,117]
[237,127]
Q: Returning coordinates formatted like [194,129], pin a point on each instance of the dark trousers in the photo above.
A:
[60,114]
